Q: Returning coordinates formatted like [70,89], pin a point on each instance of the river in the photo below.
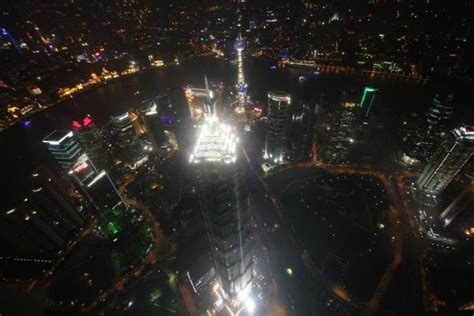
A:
[21,147]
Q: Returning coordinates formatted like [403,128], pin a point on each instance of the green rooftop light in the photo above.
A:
[112,228]
[368,92]
[171,279]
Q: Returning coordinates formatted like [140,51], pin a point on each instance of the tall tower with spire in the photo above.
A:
[239,46]
[225,203]
[241,86]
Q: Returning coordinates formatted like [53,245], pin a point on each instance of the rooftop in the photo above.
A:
[58,136]
[216,143]
[279,96]
[465,132]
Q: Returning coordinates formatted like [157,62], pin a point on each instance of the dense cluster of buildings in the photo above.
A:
[101,168]
[37,58]
[61,204]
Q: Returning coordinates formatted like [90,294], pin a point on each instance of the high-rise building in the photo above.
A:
[225,203]
[241,86]
[432,131]
[45,220]
[301,133]
[128,142]
[196,98]
[103,193]
[91,140]
[64,147]
[93,183]
[279,116]
[368,100]
[341,135]
[451,156]
[71,156]
[154,127]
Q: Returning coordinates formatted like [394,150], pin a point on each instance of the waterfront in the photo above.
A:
[23,145]
[119,96]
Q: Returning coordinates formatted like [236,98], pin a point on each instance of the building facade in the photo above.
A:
[91,140]
[64,147]
[278,123]
[368,100]
[127,137]
[301,133]
[422,144]
[451,156]
[225,203]
[94,184]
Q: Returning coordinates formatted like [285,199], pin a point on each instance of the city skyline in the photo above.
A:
[236,158]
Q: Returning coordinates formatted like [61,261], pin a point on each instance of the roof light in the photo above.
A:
[99,176]
[57,142]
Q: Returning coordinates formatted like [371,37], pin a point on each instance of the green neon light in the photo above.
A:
[171,279]
[112,228]
[368,90]
[370,105]
[117,212]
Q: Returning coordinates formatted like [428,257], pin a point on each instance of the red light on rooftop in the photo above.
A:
[86,121]
[76,124]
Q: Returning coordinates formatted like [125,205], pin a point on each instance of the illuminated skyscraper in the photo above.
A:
[64,147]
[241,86]
[127,137]
[278,123]
[430,132]
[226,207]
[103,193]
[452,155]
[368,100]
[71,156]
[91,140]
[93,183]
[153,126]
[196,98]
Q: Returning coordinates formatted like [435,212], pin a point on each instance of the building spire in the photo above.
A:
[241,86]
[209,106]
